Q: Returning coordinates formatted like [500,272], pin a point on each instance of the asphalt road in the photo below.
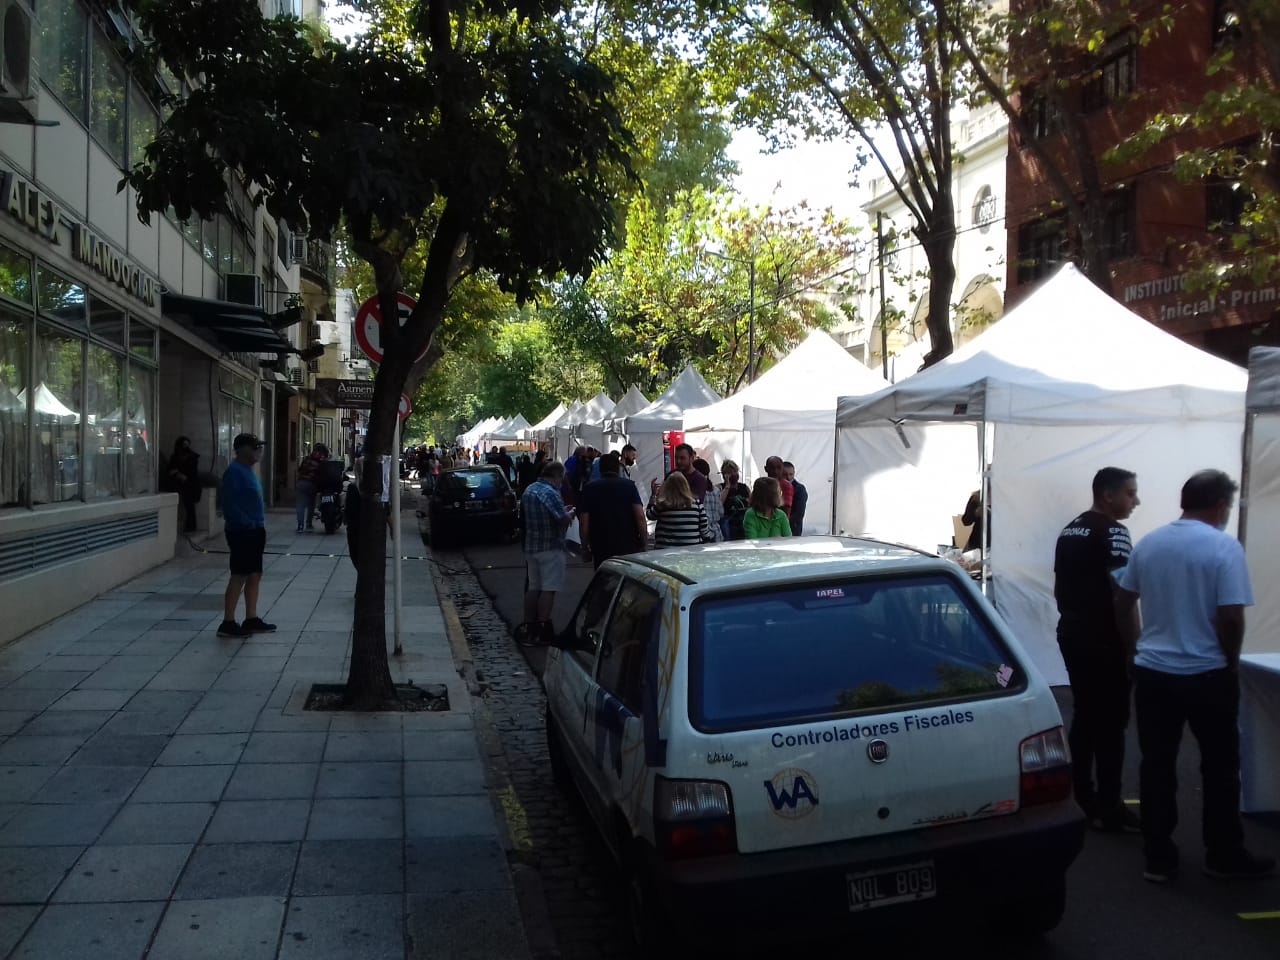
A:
[1111,911]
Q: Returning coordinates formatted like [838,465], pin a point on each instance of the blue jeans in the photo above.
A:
[306,502]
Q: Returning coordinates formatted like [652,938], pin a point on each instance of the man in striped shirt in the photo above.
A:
[545,518]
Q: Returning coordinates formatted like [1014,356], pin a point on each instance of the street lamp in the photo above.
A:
[751,310]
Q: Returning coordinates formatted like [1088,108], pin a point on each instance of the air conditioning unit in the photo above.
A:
[243,288]
[15,50]
[295,376]
[297,249]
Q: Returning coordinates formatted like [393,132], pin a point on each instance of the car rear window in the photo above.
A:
[484,483]
[834,649]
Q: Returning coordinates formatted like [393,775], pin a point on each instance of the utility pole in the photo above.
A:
[884,316]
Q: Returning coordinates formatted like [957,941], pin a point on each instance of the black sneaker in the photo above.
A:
[1238,865]
[257,625]
[229,628]
[1121,820]
[1160,871]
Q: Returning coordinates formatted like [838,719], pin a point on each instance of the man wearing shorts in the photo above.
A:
[245,519]
[545,518]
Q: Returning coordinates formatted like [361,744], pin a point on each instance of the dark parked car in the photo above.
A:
[471,501]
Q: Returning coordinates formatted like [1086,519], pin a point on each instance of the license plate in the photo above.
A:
[883,888]
[326,499]
[476,505]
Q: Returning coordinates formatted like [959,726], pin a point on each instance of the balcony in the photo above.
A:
[317,265]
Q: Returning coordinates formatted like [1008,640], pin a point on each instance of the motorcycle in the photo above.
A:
[329,496]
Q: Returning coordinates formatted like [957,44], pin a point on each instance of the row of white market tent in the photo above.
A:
[1067,382]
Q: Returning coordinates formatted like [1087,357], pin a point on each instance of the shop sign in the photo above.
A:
[42,216]
[346,394]
[1187,304]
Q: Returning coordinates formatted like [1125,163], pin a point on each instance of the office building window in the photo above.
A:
[106,321]
[15,275]
[58,389]
[1224,201]
[1041,248]
[139,443]
[1040,116]
[15,386]
[142,340]
[60,298]
[143,124]
[108,429]
[1119,224]
[64,42]
[1115,76]
[984,209]
[107,98]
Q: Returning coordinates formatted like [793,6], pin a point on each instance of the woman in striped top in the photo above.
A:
[681,520]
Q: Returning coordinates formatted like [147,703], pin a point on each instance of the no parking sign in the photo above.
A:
[369,324]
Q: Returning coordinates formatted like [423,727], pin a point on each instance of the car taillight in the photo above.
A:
[693,818]
[1046,768]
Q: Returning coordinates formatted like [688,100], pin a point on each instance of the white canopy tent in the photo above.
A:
[1068,382]
[471,438]
[789,412]
[1260,496]
[632,402]
[645,428]
[538,430]
[561,433]
[509,431]
[589,431]
[49,405]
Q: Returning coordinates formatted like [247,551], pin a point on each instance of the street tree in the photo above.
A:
[679,290]
[884,74]
[481,131]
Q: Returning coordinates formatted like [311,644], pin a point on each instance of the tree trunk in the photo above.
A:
[939,247]
[369,683]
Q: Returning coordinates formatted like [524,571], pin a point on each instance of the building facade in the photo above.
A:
[980,137]
[117,337]
[1152,222]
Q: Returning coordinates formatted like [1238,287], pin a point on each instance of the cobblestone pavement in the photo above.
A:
[551,830]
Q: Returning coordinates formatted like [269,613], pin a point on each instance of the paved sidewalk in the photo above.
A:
[163,794]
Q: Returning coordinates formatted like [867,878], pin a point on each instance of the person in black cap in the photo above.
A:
[245,518]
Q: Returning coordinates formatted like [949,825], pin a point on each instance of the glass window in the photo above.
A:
[142,124]
[191,230]
[621,667]
[142,339]
[106,99]
[59,380]
[209,238]
[139,453]
[15,334]
[225,232]
[15,274]
[60,298]
[106,320]
[108,424]
[588,622]
[64,38]
[834,649]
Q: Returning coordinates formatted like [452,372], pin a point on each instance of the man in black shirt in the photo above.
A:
[611,518]
[1090,549]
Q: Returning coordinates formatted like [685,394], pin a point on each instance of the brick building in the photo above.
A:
[1149,216]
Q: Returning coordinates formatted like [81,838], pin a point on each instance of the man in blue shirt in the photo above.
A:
[245,524]
[1193,585]
[545,518]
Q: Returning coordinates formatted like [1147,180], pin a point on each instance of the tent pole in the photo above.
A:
[984,491]
[1245,461]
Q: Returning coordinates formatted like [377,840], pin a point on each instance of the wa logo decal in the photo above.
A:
[793,793]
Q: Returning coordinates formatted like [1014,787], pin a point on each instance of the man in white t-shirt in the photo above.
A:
[1191,580]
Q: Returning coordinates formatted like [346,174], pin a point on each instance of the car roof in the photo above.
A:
[742,563]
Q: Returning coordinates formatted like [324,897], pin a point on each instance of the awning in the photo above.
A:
[235,327]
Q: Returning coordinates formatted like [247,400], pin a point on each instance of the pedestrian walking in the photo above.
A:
[245,527]
[305,489]
[611,519]
[681,521]
[546,518]
[1090,551]
[764,517]
[799,498]
[711,502]
[1191,582]
[184,480]
[735,497]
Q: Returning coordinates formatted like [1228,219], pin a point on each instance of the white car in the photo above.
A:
[816,731]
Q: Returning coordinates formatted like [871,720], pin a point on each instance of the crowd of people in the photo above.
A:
[688,507]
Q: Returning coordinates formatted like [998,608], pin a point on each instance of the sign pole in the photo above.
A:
[395,532]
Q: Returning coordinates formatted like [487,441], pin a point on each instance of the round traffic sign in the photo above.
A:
[369,324]
[405,407]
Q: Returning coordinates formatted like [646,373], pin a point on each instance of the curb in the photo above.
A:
[513,827]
